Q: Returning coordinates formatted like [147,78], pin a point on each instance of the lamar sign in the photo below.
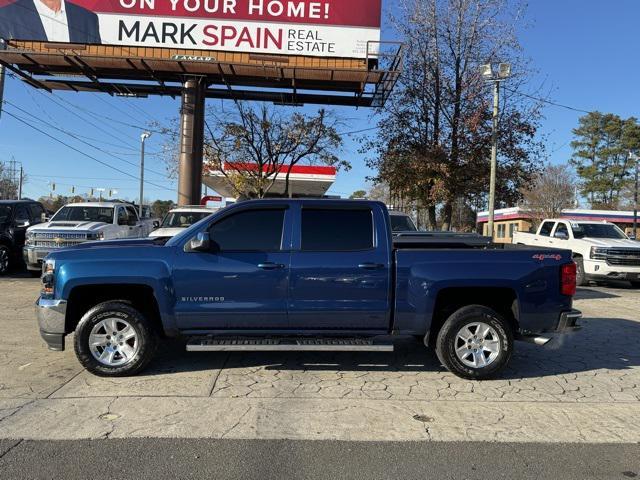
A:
[328,28]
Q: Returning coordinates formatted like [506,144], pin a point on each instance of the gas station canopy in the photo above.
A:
[304,181]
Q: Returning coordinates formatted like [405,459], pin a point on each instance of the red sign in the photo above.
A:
[333,28]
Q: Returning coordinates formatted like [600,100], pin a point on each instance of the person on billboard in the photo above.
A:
[49,20]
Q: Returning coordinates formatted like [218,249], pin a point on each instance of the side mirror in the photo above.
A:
[199,243]
[156,224]
[22,223]
[561,236]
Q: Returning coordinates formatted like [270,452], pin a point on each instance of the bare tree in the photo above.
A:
[435,135]
[552,191]
[255,145]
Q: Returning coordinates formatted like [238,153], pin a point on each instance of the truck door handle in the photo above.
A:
[371,266]
[270,266]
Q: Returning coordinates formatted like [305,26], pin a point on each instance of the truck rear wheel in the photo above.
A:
[475,343]
[113,339]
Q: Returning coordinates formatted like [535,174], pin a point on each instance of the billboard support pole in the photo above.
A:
[3,46]
[191,141]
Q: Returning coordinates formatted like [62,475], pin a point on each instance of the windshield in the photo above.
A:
[597,230]
[5,213]
[84,214]
[402,223]
[183,219]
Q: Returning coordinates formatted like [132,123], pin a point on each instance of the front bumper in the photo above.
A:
[598,270]
[51,319]
[33,256]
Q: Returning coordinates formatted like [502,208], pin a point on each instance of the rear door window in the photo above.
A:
[337,230]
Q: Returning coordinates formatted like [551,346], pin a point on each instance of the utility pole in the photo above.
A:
[3,46]
[143,139]
[495,77]
[21,182]
[636,158]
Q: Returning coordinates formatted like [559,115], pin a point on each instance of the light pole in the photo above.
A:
[490,75]
[143,139]
[635,196]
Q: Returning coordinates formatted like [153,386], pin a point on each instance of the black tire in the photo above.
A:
[581,277]
[635,284]
[5,259]
[145,335]
[446,342]
[35,273]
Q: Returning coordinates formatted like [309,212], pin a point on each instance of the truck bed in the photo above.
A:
[434,240]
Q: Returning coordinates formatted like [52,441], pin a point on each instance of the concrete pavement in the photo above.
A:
[583,389]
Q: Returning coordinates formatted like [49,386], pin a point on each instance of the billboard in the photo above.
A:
[326,28]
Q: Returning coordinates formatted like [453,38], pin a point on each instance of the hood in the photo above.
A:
[68,226]
[166,232]
[612,242]
[135,242]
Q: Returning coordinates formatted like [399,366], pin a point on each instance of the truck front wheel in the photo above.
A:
[581,277]
[475,343]
[113,339]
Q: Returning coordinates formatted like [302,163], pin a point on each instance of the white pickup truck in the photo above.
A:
[600,249]
[82,222]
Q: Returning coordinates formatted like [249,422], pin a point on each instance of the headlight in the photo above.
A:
[95,236]
[48,277]
[29,236]
[598,253]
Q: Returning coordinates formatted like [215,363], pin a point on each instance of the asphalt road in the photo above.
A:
[278,459]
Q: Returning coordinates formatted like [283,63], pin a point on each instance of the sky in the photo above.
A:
[585,53]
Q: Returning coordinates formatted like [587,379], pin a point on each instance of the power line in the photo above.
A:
[548,102]
[61,101]
[83,178]
[80,151]
[359,131]
[80,140]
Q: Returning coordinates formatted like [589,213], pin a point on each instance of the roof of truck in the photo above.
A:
[589,222]
[99,204]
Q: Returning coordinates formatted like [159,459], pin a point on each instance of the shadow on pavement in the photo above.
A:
[603,343]
[584,293]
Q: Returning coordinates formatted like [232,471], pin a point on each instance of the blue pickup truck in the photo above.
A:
[325,275]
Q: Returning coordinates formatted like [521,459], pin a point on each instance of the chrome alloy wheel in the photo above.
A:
[477,345]
[114,342]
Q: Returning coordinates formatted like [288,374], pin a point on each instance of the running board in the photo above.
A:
[234,344]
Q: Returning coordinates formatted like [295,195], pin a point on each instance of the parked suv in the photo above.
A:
[15,217]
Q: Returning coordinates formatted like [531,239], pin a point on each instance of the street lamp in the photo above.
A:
[636,159]
[143,139]
[495,76]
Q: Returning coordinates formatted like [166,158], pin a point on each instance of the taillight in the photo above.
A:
[568,279]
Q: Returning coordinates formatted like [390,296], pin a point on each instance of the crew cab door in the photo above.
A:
[241,283]
[136,228]
[543,238]
[340,269]
[21,221]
